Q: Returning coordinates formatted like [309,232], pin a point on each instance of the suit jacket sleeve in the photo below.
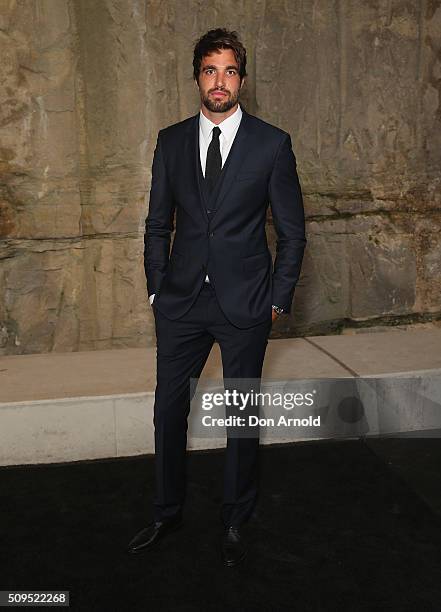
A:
[286,202]
[159,223]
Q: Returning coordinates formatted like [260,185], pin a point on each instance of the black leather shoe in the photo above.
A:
[153,534]
[233,547]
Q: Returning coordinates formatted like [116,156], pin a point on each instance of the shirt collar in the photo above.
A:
[227,126]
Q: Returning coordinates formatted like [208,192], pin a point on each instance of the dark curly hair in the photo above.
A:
[220,38]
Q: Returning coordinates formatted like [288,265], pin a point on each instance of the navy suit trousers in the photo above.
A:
[183,347]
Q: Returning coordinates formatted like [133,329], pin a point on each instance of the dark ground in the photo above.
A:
[350,525]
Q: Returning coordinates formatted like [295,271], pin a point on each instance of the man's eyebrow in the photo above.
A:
[213,66]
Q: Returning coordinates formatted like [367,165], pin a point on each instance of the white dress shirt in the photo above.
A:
[228,128]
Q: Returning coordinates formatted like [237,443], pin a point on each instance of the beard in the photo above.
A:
[222,105]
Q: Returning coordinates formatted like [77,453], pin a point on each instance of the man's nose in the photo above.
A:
[220,79]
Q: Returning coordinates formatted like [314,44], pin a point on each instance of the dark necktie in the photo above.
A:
[213,165]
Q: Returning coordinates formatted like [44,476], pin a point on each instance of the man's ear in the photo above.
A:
[242,82]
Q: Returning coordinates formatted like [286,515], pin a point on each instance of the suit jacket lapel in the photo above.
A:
[195,160]
[192,164]
[235,159]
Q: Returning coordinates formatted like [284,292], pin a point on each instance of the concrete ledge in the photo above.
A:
[73,406]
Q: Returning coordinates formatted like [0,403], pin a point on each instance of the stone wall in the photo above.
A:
[85,86]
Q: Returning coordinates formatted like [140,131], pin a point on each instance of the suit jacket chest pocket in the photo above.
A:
[249,175]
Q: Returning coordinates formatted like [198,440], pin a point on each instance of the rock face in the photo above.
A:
[85,86]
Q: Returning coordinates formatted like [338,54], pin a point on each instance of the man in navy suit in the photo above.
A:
[218,171]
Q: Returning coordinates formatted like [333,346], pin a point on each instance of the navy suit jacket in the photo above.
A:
[224,234]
